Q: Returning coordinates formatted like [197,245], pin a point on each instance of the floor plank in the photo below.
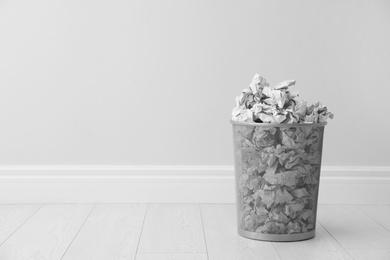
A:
[47,234]
[322,246]
[112,231]
[12,217]
[172,228]
[222,239]
[173,256]
[371,254]
[352,228]
[380,213]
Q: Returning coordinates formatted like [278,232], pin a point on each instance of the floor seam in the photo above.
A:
[22,224]
[335,240]
[78,231]
[273,245]
[204,233]
[373,219]
[142,229]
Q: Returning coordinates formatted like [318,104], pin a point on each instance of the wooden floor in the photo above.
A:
[181,232]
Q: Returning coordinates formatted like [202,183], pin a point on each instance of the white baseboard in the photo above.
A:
[170,184]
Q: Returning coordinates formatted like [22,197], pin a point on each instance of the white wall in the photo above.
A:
[153,82]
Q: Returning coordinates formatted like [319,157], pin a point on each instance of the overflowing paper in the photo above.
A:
[261,103]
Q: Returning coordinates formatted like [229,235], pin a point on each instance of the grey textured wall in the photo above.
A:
[154,82]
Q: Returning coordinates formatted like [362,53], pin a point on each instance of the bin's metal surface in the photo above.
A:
[277,172]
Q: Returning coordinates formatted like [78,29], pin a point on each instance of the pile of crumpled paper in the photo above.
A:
[261,103]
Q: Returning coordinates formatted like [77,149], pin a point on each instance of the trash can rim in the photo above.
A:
[276,125]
